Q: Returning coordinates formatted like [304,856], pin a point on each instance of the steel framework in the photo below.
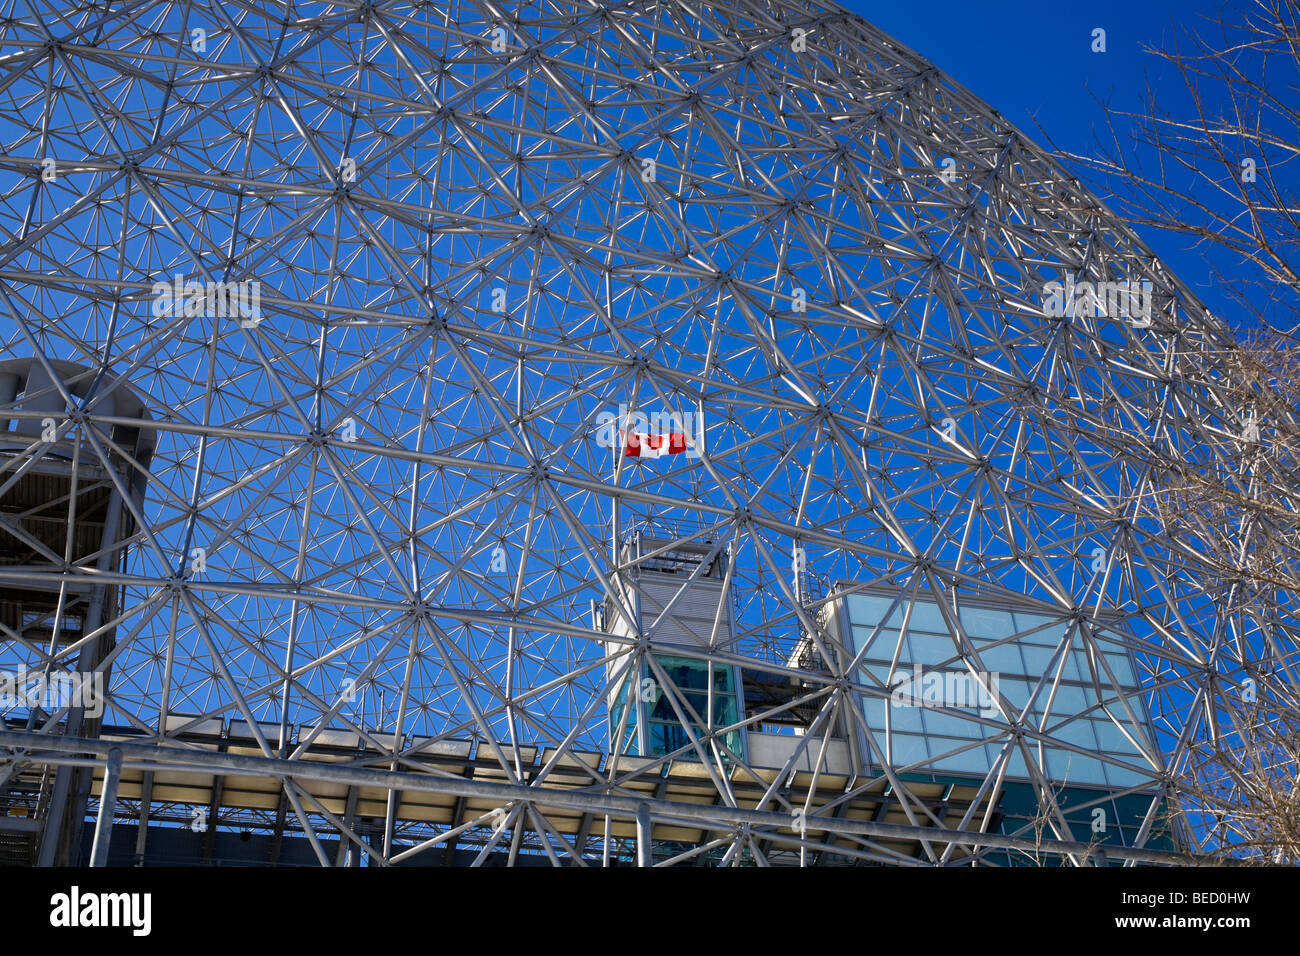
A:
[381,522]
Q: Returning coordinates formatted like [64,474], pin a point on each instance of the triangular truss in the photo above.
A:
[475,230]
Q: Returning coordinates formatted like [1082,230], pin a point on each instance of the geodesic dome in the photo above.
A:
[455,328]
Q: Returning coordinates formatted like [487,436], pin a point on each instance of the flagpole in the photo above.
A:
[613,499]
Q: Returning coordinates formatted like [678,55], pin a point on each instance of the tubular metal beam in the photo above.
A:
[107,806]
[644,838]
[382,502]
[46,750]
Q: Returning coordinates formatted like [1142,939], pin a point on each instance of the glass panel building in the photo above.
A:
[679,598]
[932,695]
[944,687]
[705,697]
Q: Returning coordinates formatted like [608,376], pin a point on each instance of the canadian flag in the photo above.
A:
[640,445]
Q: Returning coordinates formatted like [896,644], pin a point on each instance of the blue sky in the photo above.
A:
[1032,62]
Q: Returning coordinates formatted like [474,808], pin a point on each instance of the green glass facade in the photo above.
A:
[689,682]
